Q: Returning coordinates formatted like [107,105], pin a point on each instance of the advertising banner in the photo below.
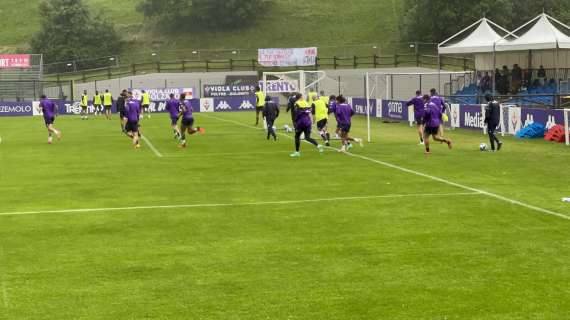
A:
[163,94]
[293,57]
[8,61]
[234,104]
[359,105]
[16,108]
[215,91]
[395,110]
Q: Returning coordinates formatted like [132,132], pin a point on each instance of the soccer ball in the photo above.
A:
[483,147]
[287,128]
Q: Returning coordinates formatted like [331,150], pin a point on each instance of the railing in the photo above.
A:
[335,62]
[548,101]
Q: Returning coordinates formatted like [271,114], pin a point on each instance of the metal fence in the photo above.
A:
[183,66]
[26,90]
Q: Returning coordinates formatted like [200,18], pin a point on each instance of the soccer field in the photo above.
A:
[233,228]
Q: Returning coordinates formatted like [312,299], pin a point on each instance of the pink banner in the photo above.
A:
[15,61]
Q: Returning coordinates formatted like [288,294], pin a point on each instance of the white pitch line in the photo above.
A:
[451,183]
[151,146]
[243,204]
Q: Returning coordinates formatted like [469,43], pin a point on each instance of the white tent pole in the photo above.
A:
[560,23]
[498,26]
[460,32]
[494,70]
[513,33]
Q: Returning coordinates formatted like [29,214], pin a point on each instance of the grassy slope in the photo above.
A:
[289,23]
[465,257]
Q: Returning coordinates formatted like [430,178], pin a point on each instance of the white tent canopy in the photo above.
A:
[542,36]
[482,39]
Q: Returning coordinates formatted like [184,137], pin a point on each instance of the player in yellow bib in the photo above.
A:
[321,113]
[97,102]
[145,102]
[84,104]
[259,103]
[108,103]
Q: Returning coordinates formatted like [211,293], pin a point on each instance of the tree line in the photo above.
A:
[437,20]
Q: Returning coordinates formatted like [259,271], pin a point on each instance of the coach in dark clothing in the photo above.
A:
[270,113]
[493,119]
[121,108]
[291,107]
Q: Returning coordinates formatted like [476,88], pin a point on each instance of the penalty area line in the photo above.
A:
[243,204]
[434,178]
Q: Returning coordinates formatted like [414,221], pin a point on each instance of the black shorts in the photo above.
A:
[83,107]
[420,121]
[187,123]
[107,107]
[259,109]
[123,114]
[321,124]
[431,131]
[49,120]
[173,121]
[145,106]
[132,126]
[344,128]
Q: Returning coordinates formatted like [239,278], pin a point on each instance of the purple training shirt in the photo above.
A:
[344,113]
[48,108]
[433,114]
[187,110]
[133,109]
[419,106]
[303,118]
[173,107]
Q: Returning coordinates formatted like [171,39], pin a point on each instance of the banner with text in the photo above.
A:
[293,57]
[8,61]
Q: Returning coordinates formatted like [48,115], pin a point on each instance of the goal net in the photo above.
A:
[402,86]
[289,82]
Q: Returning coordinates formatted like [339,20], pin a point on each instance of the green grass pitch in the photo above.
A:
[232,228]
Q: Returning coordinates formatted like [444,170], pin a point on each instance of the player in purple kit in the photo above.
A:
[419,110]
[440,102]
[173,108]
[432,117]
[49,110]
[303,125]
[133,112]
[344,112]
[187,120]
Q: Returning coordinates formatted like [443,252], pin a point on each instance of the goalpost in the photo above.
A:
[403,85]
[567,126]
[288,82]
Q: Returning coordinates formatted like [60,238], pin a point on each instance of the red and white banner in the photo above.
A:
[294,57]
[15,61]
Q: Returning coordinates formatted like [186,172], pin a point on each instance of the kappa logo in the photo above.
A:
[529,120]
[246,105]
[551,122]
[223,105]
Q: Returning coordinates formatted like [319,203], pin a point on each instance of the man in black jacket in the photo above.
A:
[121,109]
[492,120]
[291,107]
[270,113]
